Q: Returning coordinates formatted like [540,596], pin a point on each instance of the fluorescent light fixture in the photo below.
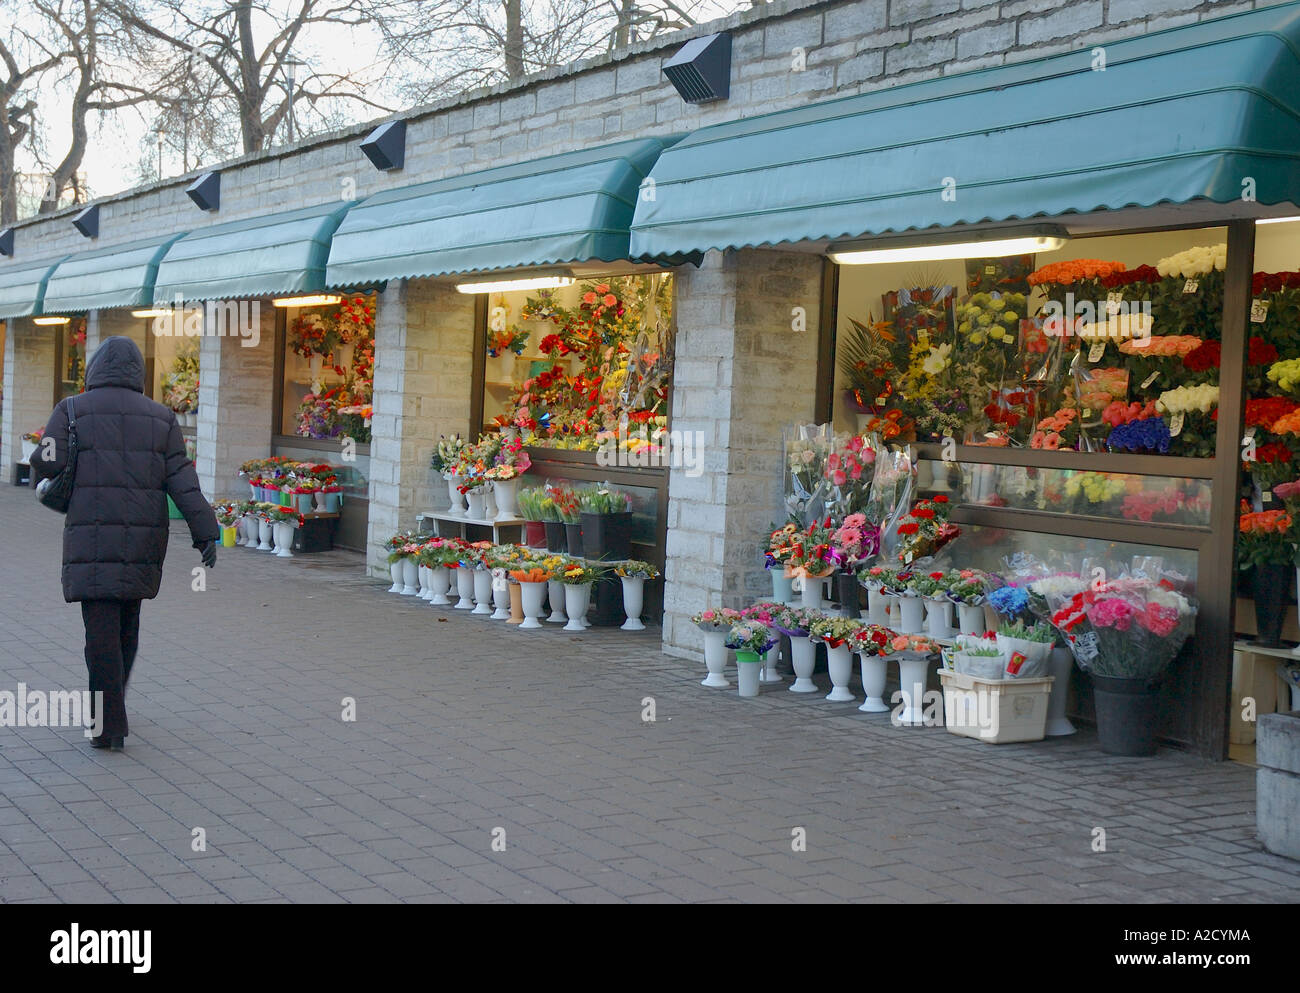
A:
[51,320]
[523,283]
[152,312]
[1277,220]
[312,300]
[921,248]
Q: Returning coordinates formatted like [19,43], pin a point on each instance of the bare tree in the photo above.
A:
[245,47]
[26,58]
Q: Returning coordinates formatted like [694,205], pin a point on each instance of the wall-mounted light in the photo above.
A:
[1277,220]
[932,248]
[311,300]
[152,312]
[385,146]
[87,222]
[206,191]
[51,320]
[523,283]
[701,69]
[7,241]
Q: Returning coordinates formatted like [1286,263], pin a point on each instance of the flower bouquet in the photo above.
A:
[780,546]
[1128,628]
[1026,647]
[979,657]
[846,473]
[753,637]
[716,619]
[925,530]
[806,450]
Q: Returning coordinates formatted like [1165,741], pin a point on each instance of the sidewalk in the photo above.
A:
[464,726]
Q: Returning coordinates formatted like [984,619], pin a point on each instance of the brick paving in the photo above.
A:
[465,725]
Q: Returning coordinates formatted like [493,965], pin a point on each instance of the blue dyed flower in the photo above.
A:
[1009,600]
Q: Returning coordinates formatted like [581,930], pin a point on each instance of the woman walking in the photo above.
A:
[130,458]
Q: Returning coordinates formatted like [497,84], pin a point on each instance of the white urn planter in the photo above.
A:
[439,583]
[343,356]
[911,678]
[555,595]
[970,619]
[28,448]
[284,539]
[633,601]
[395,570]
[314,365]
[768,673]
[505,490]
[500,596]
[534,598]
[426,590]
[715,659]
[877,606]
[781,586]
[464,589]
[874,673]
[1059,665]
[747,666]
[476,501]
[264,533]
[410,577]
[911,615]
[456,507]
[574,606]
[482,591]
[938,617]
[812,593]
[839,661]
[803,656]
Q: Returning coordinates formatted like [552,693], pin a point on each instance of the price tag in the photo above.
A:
[1017,660]
[1085,646]
[923,335]
[1175,425]
[1150,379]
[880,401]
[1250,431]
[1268,496]
[990,270]
[1097,350]
[1258,311]
[1191,286]
[1113,299]
[907,559]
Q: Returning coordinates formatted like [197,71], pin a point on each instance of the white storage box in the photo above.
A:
[995,710]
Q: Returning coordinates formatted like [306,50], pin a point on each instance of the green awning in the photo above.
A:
[258,256]
[117,276]
[574,207]
[22,286]
[1176,116]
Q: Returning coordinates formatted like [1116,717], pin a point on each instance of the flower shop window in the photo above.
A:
[327,370]
[573,366]
[70,358]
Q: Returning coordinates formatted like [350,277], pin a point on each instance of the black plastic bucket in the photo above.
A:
[1128,714]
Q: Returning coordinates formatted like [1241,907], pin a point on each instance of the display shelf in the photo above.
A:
[464,522]
[1257,676]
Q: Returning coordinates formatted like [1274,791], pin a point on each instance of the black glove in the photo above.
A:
[209,552]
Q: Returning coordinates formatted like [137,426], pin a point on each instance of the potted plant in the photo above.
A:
[979,657]
[1027,647]
[444,461]
[765,613]
[393,548]
[553,524]
[530,499]
[286,520]
[434,556]
[532,584]
[1124,634]
[577,577]
[509,463]
[911,606]
[932,588]
[305,495]
[793,622]
[750,640]
[872,643]
[966,590]
[606,515]
[716,624]
[837,634]
[1266,546]
[265,532]
[633,573]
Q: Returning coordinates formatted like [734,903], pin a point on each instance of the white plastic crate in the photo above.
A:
[995,711]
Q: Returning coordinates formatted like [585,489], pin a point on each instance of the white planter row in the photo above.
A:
[477,591]
[494,501]
[265,536]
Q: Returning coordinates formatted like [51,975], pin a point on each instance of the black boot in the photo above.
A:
[105,741]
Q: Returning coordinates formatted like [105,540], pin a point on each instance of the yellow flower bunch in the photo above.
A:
[1286,374]
[1098,487]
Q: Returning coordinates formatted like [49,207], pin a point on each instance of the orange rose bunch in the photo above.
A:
[1162,344]
[1073,270]
[1265,522]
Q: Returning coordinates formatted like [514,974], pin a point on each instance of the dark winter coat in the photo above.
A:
[130,458]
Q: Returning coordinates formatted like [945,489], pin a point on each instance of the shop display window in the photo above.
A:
[328,377]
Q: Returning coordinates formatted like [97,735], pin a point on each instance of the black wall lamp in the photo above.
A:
[385,146]
[206,191]
[87,222]
[7,241]
[701,70]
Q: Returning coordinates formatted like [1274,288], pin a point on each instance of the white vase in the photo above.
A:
[938,617]
[482,591]
[877,606]
[439,583]
[250,532]
[911,677]
[586,602]
[555,596]
[534,597]
[839,661]
[241,532]
[314,367]
[29,447]
[873,684]
[343,357]
[464,588]
[803,656]
[489,501]
[500,368]
[475,499]
[395,570]
[970,619]
[500,597]
[813,593]
[425,589]
[747,677]
[573,607]
[456,506]
[633,600]
[911,615]
[284,539]
[1059,665]
[781,583]
[410,577]
[504,491]
[768,673]
[264,535]
[715,659]
[320,500]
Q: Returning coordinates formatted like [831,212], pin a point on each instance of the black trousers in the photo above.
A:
[112,636]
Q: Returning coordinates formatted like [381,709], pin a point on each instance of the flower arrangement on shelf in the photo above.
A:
[636,569]
[1056,431]
[507,339]
[780,545]
[567,504]
[833,630]
[810,555]
[925,529]
[447,453]
[34,436]
[180,383]
[1265,538]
